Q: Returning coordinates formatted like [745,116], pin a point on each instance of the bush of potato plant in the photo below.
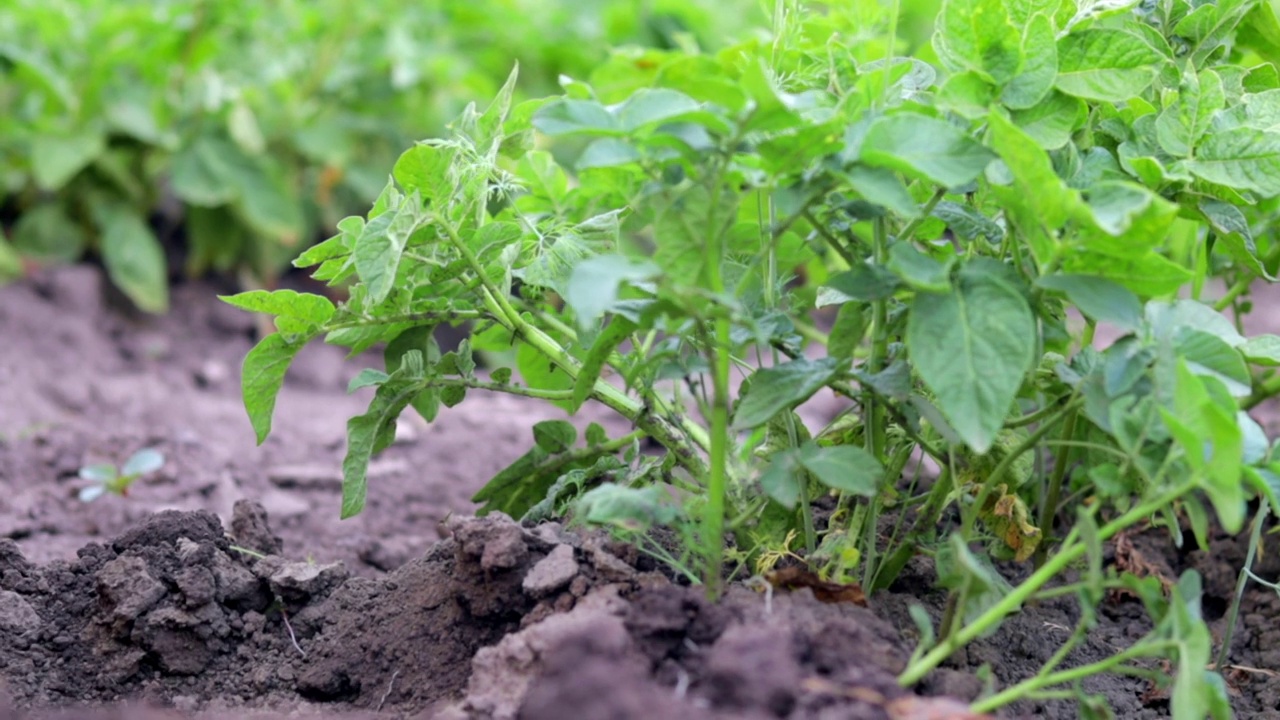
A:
[937,242]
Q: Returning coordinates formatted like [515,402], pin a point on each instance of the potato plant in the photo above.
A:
[937,242]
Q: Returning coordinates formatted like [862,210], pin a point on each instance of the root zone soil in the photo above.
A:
[224,586]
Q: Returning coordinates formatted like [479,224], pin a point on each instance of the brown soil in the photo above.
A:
[149,606]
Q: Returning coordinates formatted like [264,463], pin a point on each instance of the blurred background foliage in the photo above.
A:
[178,137]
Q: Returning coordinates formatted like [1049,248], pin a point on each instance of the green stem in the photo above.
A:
[1070,552]
[1266,390]
[926,211]
[1254,538]
[1022,689]
[1049,509]
[499,305]
[1038,415]
[1007,462]
[722,363]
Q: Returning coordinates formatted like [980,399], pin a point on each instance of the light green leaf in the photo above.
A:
[1106,65]
[55,159]
[1240,158]
[607,152]
[971,347]
[554,257]
[967,94]
[924,147]
[781,387]
[371,433]
[142,462]
[307,307]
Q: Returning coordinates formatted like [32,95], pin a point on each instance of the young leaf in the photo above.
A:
[99,472]
[142,462]
[379,249]
[780,387]
[971,347]
[261,378]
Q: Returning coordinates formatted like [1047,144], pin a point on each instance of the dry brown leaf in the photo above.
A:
[913,707]
[792,578]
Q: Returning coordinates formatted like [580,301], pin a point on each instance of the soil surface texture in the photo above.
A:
[225,586]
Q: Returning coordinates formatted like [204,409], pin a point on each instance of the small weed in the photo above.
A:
[107,478]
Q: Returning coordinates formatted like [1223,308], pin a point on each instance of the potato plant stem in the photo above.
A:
[1071,551]
[717,479]
[1031,685]
[1049,508]
[499,305]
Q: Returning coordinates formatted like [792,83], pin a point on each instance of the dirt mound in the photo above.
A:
[497,621]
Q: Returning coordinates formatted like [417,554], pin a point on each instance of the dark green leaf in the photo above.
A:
[781,387]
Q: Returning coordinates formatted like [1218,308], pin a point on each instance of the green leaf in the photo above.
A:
[555,436]
[99,472]
[781,387]
[1262,350]
[780,480]
[972,347]
[967,94]
[48,233]
[1052,122]
[1039,68]
[554,257]
[133,256]
[967,223]
[1235,234]
[847,331]
[863,282]
[568,116]
[923,147]
[368,434]
[594,284]
[296,312]
[381,245]
[55,159]
[1098,298]
[846,468]
[1045,194]
[650,106]
[977,35]
[882,187]
[607,152]
[201,172]
[1240,158]
[425,168]
[1105,65]
[261,378]
[1181,125]
[919,270]
[1147,275]
[540,373]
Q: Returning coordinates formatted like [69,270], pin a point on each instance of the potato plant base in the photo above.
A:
[405,630]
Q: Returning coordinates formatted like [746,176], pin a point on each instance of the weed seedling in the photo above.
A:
[107,478]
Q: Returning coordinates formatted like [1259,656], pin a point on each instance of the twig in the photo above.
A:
[293,638]
[390,684]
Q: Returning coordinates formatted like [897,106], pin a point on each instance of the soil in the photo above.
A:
[225,586]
